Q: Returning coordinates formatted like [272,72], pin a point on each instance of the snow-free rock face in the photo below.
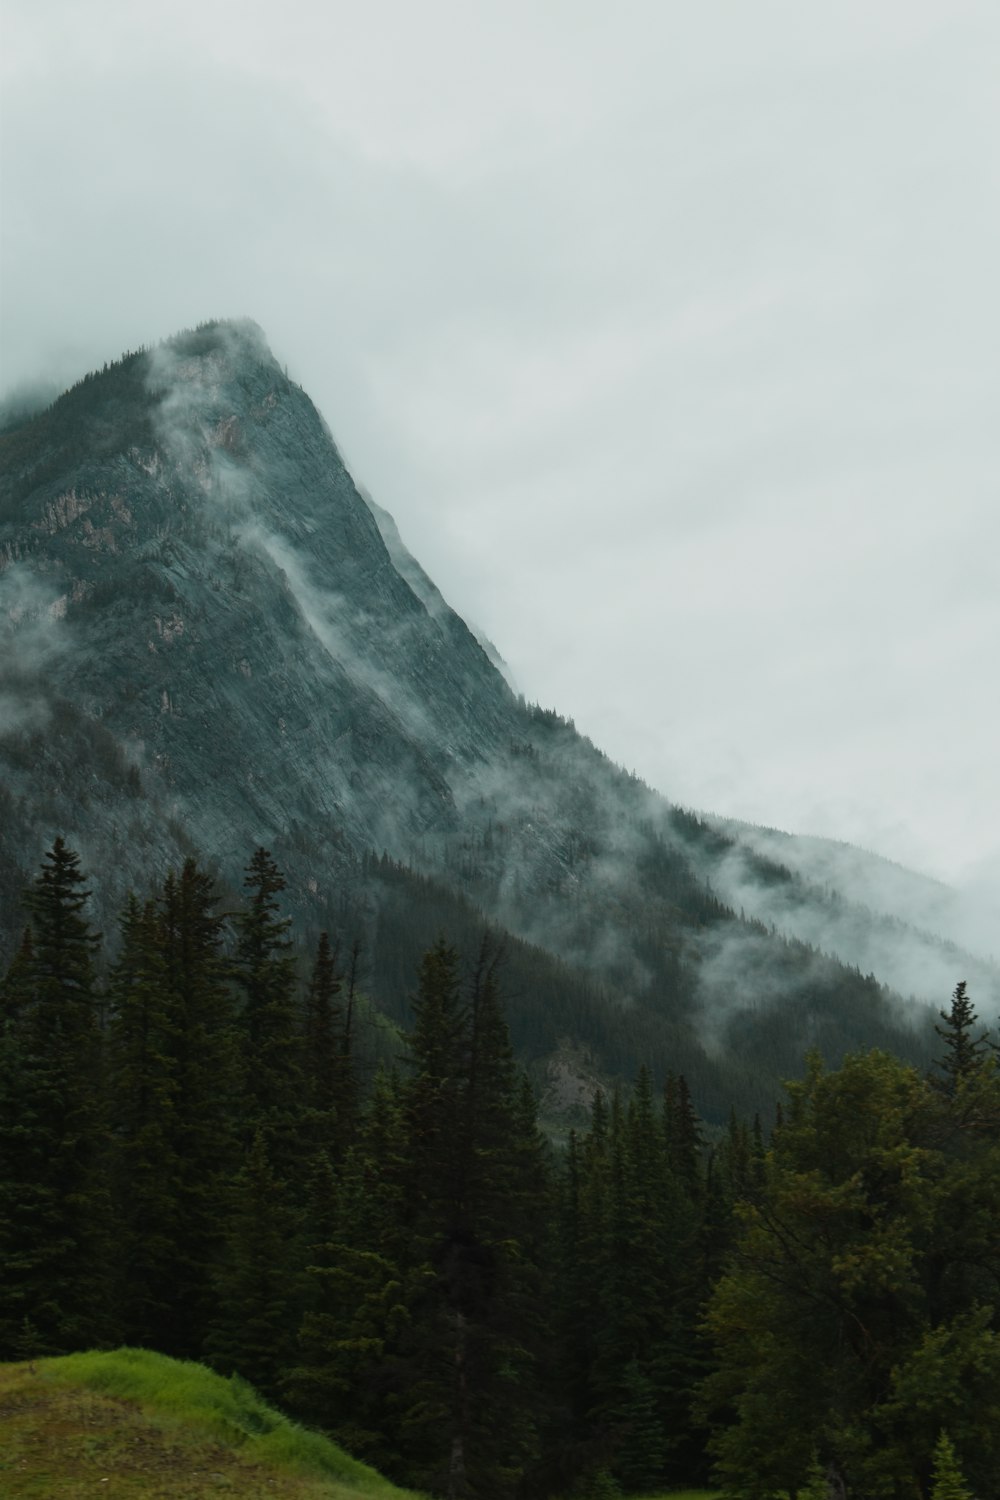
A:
[210,641]
[198,575]
[209,645]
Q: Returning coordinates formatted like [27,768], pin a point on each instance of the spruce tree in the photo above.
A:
[947,1482]
[252,1326]
[206,1066]
[965,1052]
[54,1208]
[683,1133]
[16,988]
[144,1085]
[329,1083]
[457,1369]
[356,1287]
[264,969]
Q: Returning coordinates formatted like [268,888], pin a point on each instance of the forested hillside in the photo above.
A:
[199,1153]
[210,641]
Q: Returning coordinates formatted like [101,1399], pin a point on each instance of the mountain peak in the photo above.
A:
[222,342]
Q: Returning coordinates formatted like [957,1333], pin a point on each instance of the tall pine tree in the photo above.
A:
[143,1067]
[54,1210]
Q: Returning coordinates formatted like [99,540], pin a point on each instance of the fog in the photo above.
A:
[666,334]
[32,635]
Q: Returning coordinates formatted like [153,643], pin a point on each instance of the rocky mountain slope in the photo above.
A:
[211,640]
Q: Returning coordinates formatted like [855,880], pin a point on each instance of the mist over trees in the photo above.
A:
[210,643]
[208,1147]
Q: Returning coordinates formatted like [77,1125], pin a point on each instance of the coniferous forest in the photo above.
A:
[202,1152]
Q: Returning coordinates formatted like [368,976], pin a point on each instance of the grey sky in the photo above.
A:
[668,333]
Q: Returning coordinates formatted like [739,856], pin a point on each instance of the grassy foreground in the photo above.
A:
[133,1423]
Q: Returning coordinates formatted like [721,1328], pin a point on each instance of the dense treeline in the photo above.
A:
[193,1159]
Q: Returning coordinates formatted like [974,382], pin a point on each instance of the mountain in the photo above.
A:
[213,640]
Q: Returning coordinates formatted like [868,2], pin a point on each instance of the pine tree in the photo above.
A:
[143,1077]
[589,1276]
[965,1052]
[433,1097]
[264,969]
[683,1133]
[54,1209]
[455,1368]
[252,1327]
[17,987]
[631,1283]
[329,1083]
[817,1483]
[641,1449]
[208,1103]
[947,1482]
[356,1295]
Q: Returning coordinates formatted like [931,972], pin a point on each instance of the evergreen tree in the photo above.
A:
[586,1275]
[948,1483]
[457,1371]
[329,1083]
[143,1078]
[252,1327]
[682,1131]
[858,1311]
[54,1207]
[17,987]
[433,1100]
[817,1482]
[344,1377]
[641,1449]
[632,1265]
[206,1067]
[264,969]
[965,1052]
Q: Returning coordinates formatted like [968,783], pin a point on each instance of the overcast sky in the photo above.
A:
[668,331]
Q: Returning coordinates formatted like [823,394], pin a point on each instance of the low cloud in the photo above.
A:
[32,636]
[918,935]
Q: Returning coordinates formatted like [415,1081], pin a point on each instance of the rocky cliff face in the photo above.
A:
[191,576]
[189,567]
[210,640]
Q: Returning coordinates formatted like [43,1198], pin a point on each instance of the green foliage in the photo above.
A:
[143,1066]
[470,1201]
[207,1071]
[329,1081]
[632,1211]
[597,1484]
[817,1483]
[53,1200]
[948,1483]
[965,1052]
[251,1330]
[407,1267]
[264,969]
[850,1317]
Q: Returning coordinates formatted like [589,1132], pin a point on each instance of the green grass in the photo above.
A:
[684,1495]
[131,1422]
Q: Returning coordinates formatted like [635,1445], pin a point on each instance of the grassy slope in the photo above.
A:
[132,1423]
